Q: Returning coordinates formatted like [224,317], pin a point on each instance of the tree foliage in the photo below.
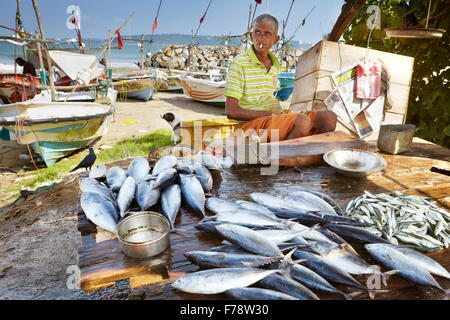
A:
[429,99]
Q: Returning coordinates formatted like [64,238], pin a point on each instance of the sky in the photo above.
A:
[176,16]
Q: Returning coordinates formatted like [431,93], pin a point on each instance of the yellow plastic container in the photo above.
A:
[194,132]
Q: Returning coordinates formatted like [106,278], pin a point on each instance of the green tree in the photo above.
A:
[429,100]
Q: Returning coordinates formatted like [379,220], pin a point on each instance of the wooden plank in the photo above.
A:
[308,61]
[337,55]
[304,89]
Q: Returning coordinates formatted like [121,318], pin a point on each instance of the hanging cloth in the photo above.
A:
[119,38]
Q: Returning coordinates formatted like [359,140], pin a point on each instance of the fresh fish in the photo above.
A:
[337,239]
[166,178]
[208,160]
[220,280]
[293,288]
[257,294]
[164,163]
[213,259]
[204,176]
[126,195]
[342,220]
[423,260]
[100,211]
[279,236]
[115,177]
[326,270]
[249,217]
[94,186]
[249,205]
[330,201]
[98,172]
[138,169]
[171,203]
[229,248]
[355,233]
[314,200]
[406,267]
[210,226]
[192,193]
[313,280]
[185,166]
[217,205]
[249,240]
[147,195]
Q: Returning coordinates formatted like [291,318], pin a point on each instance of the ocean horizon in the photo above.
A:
[129,55]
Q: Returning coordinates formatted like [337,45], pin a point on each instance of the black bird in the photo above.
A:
[87,162]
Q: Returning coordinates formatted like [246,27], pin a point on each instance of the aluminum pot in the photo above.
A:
[144,234]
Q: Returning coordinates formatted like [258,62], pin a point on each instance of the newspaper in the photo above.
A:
[361,116]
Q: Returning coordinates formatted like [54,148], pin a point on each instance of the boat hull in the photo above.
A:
[135,88]
[56,137]
[17,87]
[203,90]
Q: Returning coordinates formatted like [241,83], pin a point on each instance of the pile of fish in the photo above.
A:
[109,194]
[292,247]
[401,218]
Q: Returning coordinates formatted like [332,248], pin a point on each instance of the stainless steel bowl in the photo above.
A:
[143,234]
[353,162]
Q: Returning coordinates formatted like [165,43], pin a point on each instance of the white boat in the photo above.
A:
[203,90]
[55,129]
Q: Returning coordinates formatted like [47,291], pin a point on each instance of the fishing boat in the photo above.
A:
[16,87]
[287,82]
[55,129]
[135,87]
[203,90]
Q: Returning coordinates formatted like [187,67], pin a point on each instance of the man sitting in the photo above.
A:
[251,83]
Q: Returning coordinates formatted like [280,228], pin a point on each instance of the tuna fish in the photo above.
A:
[166,178]
[192,193]
[146,195]
[355,233]
[126,195]
[164,163]
[204,176]
[326,270]
[288,286]
[220,280]
[330,201]
[256,207]
[279,236]
[406,267]
[217,205]
[249,240]
[98,172]
[258,294]
[115,177]
[249,217]
[138,169]
[92,185]
[100,211]
[171,203]
[213,259]
[315,201]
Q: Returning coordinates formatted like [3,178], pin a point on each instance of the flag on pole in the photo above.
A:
[155,25]
[119,38]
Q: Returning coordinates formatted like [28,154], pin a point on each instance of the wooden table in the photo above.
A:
[102,263]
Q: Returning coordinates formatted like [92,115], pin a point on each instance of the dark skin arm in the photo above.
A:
[235,112]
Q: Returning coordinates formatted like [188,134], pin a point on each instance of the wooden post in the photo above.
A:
[49,62]
[108,61]
[142,52]
[41,61]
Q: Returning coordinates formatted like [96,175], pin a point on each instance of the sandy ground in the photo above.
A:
[39,239]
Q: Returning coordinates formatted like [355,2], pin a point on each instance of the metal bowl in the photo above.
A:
[353,162]
[143,234]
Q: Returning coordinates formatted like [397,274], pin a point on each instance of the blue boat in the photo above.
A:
[287,82]
[141,95]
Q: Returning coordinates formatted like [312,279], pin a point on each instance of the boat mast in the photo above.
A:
[49,62]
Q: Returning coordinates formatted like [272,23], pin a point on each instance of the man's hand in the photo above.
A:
[237,113]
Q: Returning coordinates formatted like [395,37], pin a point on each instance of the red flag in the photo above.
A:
[119,38]
[202,18]
[258,1]
[155,25]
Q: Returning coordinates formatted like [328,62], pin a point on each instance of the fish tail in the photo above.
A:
[351,295]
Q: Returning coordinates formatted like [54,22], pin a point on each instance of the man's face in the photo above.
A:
[264,36]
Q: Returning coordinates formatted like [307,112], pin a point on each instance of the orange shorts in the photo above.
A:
[281,122]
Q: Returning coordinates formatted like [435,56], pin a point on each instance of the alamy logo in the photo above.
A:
[374,21]
[73,281]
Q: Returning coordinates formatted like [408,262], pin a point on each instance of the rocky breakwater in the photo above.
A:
[202,57]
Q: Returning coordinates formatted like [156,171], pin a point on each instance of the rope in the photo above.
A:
[18,128]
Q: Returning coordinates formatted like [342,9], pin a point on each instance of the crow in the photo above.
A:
[87,162]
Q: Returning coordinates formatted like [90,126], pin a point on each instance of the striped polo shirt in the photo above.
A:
[249,82]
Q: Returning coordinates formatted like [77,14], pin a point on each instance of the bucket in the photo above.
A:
[395,138]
